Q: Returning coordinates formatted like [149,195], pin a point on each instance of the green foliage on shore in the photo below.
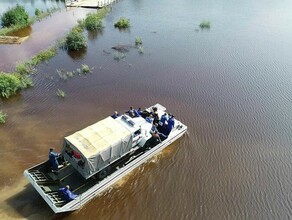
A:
[15,16]
[3,117]
[11,83]
[122,23]
[205,24]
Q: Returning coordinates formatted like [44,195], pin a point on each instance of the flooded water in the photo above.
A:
[230,84]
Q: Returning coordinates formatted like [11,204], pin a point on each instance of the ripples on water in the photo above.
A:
[231,85]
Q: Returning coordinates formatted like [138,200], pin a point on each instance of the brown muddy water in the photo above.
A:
[231,84]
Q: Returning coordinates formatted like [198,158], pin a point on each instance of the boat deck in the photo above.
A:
[48,182]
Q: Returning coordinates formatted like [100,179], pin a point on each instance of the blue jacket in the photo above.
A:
[53,160]
[68,194]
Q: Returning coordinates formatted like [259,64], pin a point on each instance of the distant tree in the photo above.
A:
[15,16]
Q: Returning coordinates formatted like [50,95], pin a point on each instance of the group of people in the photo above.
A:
[161,127]
[131,112]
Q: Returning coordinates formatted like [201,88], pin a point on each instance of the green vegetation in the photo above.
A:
[43,55]
[138,41]
[75,41]
[15,16]
[11,83]
[3,117]
[80,26]
[28,66]
[122,23]
[205,24]
[85,69]
[93,22]
[6,30]
[61,93]
[37,12]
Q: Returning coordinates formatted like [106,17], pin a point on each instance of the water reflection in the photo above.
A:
[92,35]
[23,32]
[77,55]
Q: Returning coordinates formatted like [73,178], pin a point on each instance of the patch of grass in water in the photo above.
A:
[205,24]
[122,23]
[85,69]
[138,41]
[61,93]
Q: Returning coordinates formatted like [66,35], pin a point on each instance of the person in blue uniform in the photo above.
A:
[131,112]
[170,123]
[163,119]
[68,195]
[53,159]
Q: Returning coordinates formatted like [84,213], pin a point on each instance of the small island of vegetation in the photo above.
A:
[122,23]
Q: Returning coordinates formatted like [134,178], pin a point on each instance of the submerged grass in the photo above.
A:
[28,66]
[138,41]
[85,69]
[140,49]
[205,24]
[61,93]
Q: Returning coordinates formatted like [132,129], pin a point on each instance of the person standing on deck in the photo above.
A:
[170,123]
[53,159]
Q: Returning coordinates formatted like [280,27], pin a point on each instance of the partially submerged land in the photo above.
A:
[16,19]
[12,82]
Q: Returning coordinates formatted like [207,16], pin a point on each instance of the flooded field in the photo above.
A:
[230,84]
